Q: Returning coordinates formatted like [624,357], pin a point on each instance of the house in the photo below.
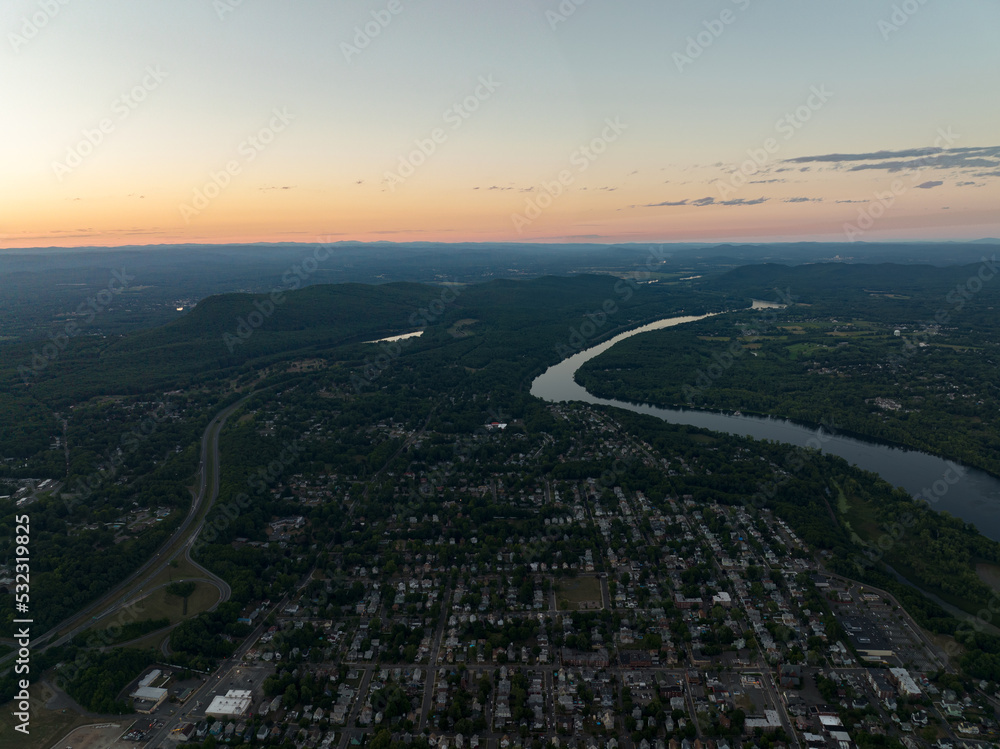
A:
[790,676]
[183,732]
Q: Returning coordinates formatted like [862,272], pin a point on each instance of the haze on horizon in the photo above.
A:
[139,122]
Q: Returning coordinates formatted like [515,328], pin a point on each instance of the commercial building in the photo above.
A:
[904,682]
[234,704]
[147,699]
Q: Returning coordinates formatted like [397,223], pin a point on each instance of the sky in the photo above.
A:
[172,121]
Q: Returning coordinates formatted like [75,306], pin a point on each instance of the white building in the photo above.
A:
[907,686]
[233,704]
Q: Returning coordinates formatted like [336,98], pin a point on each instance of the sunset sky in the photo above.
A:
[142,122]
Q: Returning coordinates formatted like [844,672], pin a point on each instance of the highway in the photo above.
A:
[231,674]
[181,540]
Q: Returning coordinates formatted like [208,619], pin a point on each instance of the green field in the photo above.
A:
[575,594]
[160,603]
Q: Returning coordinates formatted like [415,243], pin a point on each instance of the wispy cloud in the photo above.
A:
[870,156]
[973,157]
[744,201]
[664,203]
[702,202]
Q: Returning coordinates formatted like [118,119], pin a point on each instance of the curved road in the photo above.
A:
[182,539]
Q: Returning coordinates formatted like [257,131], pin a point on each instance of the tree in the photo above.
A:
[182,590]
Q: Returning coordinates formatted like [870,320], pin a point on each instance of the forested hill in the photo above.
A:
[233,335]
[885,289]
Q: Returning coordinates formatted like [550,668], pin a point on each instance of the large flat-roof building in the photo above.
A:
[233,704]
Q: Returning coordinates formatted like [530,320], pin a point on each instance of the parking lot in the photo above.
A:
[874,626]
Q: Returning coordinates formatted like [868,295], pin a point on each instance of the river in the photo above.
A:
[972,495]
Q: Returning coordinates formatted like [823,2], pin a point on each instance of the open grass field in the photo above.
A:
[797,350]
[580,593]
[861,516]
[182,571]
[159,603]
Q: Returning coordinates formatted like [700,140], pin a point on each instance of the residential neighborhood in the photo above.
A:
[588,615]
